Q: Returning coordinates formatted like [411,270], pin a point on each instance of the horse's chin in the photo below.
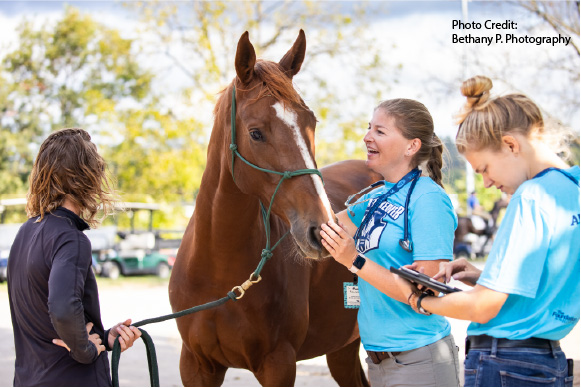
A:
[318,258]
[311,254]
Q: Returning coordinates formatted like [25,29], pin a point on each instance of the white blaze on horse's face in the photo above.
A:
[289,117]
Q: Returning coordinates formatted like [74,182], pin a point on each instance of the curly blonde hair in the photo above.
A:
[69,166]
[484,120]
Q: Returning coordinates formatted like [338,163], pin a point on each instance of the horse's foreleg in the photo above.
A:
[345,366]
[278,368]
[194,374]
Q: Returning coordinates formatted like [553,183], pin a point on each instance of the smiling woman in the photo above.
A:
[399,140]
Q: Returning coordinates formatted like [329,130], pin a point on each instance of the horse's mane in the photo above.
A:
[274,83]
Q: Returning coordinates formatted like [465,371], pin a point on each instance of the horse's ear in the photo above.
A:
[292,61]
[245,59]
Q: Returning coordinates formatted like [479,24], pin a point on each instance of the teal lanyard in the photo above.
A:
[412,177]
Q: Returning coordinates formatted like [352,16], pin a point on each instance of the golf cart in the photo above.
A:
[7,235]
[132,253]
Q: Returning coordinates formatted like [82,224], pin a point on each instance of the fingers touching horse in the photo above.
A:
[296,312]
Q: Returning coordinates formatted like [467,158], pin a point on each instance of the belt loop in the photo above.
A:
[553,350]
[494,346]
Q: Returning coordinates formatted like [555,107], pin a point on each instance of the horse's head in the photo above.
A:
[275,131]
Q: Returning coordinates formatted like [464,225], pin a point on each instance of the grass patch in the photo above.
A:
[123,281]
[132,281]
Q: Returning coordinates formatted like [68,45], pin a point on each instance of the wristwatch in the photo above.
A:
[415,301]
[358,263]
[421,310]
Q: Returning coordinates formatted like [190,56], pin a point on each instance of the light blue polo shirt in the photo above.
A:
[535,259]
[384,323]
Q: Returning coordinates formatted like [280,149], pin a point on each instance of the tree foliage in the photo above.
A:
[75,73]
[79,73]
[200,39]
[160,158]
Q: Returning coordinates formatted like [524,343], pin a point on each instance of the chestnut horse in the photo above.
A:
[297,311]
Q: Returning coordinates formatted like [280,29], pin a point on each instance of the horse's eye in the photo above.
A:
[255,134]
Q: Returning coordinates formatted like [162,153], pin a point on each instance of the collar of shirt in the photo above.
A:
[75,219]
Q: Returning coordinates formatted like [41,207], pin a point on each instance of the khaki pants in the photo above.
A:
[434,365]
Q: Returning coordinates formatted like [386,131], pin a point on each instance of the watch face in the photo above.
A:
[359,261]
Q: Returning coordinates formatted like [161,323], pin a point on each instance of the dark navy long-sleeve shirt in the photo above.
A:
[53,294]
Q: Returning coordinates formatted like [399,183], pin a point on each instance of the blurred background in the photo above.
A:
[143,77]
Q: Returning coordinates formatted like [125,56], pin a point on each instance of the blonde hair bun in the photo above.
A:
[484,120]
[477,93]
[476,90]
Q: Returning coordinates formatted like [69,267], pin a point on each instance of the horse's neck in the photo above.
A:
[223,203]
[227,221]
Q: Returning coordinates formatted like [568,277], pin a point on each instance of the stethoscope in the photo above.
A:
[412,176]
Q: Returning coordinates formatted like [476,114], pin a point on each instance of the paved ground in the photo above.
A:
[140,301]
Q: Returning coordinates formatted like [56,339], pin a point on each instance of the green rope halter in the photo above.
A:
[267,252]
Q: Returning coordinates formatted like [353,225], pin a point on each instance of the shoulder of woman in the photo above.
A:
[550,184]
[427,185]
[429,192]
[70,234]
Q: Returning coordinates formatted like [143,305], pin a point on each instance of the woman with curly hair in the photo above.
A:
[527,297]
[54,302]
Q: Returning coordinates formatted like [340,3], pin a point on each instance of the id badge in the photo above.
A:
[351,295]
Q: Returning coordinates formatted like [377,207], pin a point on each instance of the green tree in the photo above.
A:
[160,158]
[75,73]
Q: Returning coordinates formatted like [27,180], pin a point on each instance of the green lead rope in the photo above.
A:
[254,277]
[150,347]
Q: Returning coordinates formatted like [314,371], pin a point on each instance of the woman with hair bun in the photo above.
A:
[527,297]
[54,302]
[407,218]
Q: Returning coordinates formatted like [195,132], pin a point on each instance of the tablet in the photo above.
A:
[424,280]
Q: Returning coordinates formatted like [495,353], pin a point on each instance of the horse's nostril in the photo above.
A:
[315,236]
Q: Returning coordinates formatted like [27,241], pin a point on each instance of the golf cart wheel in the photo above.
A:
[111,270]
[162,270]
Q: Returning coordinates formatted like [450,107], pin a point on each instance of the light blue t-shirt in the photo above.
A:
[535,259]
[384,323]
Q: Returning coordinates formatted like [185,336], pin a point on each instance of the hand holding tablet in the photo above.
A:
[420,278]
